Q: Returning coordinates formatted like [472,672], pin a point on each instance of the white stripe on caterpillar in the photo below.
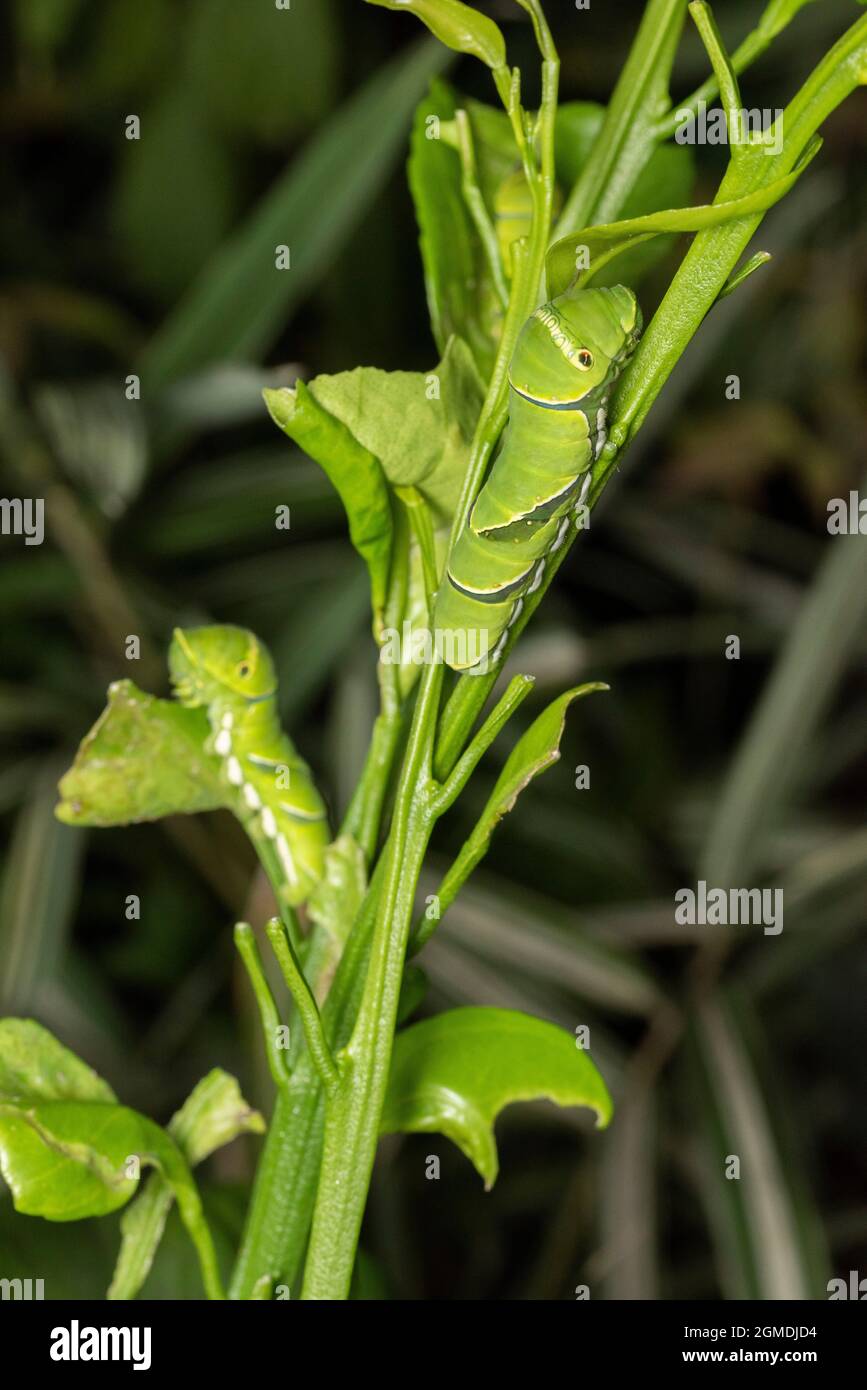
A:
[286,859]
[234,772]
[537,577]
[561,536]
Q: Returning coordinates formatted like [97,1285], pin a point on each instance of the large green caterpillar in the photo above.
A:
[568,356]
[269,787]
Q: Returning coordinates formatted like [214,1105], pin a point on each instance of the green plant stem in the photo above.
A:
[193,1217]
[352,1116]
[724,72]
[353,1111]
[364,814]
[278,1222]
[518,690]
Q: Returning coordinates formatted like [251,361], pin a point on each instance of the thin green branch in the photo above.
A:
[776,17]
[278,1057]
[311,1020]
[544,38]
[353,1111]
[364,813]
[517,691]
[725,74]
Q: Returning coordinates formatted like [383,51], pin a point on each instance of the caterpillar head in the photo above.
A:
[576,345]
[209,663]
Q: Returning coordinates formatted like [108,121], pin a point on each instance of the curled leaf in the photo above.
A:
[454,1073]
[143,758]
[353,468]
[458,26]
[536,750]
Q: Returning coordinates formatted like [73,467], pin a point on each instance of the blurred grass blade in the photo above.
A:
[239,303]
[628,1178]
[830,623]
[315,638]
[759,1218]
[40,883]
[542,941]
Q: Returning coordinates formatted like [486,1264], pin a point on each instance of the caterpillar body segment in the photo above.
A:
[566,361]
[269,787]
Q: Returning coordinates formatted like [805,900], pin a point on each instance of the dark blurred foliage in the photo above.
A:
[164,513]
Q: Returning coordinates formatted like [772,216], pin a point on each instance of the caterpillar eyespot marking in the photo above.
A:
[568,356]
[229,672]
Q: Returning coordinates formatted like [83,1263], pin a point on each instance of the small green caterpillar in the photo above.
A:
[230,672]
[568,356]
[513,214]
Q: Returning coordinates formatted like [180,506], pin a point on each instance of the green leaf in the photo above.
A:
[240,301]
[213,1114]
[69,1151]
[367,428]
[458,26]
[353,469]
[665,181]
[419,426]
[536,751]
[65,1160]
[460,293]
[576,129]
[64,1140]
[609,241]
[142,759]
[34,1066]
[453,1074]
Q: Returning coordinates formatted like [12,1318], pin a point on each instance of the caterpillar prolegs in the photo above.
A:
[568,356]
[229,672]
